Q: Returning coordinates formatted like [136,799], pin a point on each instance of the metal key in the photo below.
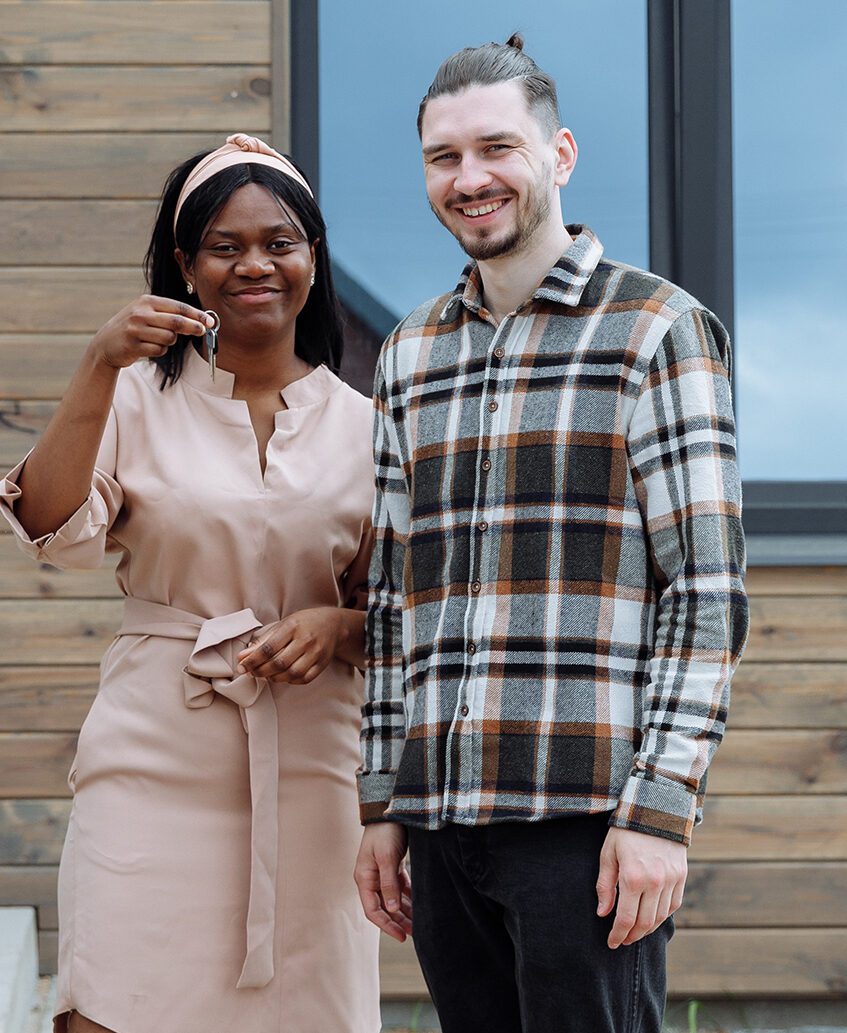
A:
[212,342]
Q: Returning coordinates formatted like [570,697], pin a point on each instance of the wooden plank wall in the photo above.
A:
[98,100]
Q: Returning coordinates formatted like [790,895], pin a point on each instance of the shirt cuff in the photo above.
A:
[657,806]
[375,789]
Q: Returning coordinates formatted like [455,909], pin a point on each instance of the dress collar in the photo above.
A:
[314,387]
[563,284]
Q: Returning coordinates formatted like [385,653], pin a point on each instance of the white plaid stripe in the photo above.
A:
[602,597]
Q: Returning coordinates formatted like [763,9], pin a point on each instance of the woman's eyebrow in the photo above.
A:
[233,235]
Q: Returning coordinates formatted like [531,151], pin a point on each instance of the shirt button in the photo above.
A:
[499,352]
[486,465]
[475,587]
[492,407]
[483,525]
[464,710]
[471,648]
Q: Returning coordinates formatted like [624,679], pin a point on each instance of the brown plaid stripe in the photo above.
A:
[556,589]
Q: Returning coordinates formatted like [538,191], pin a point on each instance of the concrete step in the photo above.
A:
[18,968]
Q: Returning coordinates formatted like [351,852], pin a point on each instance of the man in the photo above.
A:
[557,596]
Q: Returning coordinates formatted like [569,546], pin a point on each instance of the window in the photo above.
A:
[377,60]
[790,202]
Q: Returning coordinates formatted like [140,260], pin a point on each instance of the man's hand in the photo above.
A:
[649,873]
[384,886]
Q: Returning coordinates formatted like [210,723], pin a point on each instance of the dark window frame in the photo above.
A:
[691,217]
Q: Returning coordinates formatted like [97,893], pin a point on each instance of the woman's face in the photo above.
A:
[253,267]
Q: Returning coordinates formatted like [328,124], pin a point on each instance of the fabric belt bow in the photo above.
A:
[212,668]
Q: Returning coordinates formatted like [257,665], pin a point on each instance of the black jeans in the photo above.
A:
[508,938]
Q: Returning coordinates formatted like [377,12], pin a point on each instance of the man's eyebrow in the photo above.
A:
[435,148]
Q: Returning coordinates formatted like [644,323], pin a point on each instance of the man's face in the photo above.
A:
[491,170]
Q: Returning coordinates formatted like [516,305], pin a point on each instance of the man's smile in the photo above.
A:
[484,210]
[479,211]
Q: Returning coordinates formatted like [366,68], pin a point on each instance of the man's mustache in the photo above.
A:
[468,200]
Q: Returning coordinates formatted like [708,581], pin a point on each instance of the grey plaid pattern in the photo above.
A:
[557,596]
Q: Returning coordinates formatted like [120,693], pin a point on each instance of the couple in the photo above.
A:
[556,605]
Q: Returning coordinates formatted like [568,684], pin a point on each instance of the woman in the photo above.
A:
[205,883]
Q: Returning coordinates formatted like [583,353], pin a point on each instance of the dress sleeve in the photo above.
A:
[383,713]
[80,543]
[682,455]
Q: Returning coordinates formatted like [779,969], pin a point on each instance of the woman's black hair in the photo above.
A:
[317,335]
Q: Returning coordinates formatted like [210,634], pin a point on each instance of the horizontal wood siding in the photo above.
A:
[99,100]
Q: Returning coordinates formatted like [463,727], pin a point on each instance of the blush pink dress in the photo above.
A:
[206,881]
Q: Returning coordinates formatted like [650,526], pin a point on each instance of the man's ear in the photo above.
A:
[566,152]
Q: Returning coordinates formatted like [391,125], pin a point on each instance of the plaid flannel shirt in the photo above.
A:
[557,596]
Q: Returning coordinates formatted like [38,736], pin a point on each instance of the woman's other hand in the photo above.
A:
[145,329]
[297,648]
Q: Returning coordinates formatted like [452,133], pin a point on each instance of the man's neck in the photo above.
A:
[509,281]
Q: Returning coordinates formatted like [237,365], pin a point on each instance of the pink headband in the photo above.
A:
[238,149]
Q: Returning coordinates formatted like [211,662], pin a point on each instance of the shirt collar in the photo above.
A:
[314,387]
[563,284]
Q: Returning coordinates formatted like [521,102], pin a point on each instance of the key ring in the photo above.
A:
[213,329]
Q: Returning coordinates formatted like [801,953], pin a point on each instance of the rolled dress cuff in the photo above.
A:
[657,806]
[80,542]
[375,789]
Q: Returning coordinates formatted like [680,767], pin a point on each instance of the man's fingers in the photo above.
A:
[625,918]
[606,884]
[372,904]
[382,879]
[645,920]
[669,903]
[389,884]
[397,926]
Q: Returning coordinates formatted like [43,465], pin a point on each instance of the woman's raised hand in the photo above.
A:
[145,329]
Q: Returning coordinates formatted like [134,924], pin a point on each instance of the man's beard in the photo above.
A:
[535,211]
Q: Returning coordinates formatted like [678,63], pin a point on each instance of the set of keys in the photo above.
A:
[212,342]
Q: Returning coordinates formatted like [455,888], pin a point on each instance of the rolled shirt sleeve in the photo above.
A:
[80,543]
[682,453]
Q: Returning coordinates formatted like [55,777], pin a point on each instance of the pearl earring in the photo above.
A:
[312,281]
[189,287]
